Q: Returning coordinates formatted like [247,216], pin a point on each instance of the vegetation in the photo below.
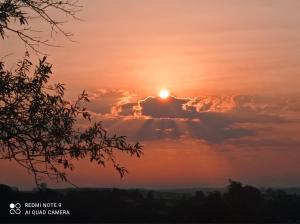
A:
[38,126]
[238,204]
[16,17]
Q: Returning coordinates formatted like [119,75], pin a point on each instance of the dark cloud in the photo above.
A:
[212,129]
[245,103]
[241,108]
[214,119]
[127,109]
[166,108]
[125,103]
[219,110]
[110,101]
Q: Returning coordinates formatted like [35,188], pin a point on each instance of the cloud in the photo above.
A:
[110,101]
[211,104]
[212,130]
[245,103]
[165,108]
[208,109]
[125,103]
[212,119]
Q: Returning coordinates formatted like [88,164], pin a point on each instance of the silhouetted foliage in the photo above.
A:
[243,202]
[38,126]
[142,206]
[4,189]
[16,17]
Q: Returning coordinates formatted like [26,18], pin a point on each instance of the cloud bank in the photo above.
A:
[213,119]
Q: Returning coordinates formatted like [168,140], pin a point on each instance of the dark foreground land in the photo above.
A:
[237,203]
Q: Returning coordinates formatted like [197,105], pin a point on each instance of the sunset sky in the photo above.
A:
[233,72]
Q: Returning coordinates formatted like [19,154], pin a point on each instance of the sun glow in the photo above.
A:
[164,94]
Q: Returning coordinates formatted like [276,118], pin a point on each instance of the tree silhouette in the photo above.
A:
[38,126]
[16,17]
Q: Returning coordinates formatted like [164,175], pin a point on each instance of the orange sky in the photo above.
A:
[129,50]
[190,47]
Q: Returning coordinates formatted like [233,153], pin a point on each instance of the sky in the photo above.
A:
[233,73]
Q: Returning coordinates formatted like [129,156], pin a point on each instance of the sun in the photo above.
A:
[164,94]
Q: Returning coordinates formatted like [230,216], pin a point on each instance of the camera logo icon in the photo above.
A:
[15,208]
